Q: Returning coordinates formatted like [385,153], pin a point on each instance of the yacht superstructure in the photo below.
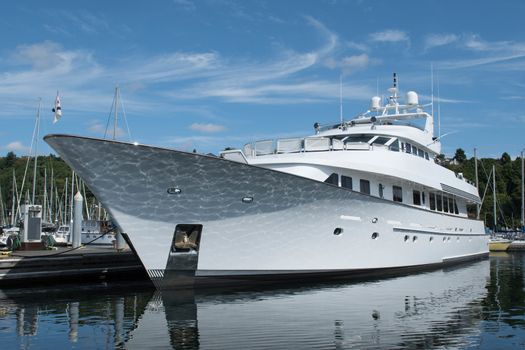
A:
[358,197]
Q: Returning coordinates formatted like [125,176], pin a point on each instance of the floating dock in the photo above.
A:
[66,265]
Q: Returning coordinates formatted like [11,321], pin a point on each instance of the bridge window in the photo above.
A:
[416,197]
[397,194]
[333,179]
[439,202]
[408,148]
[346,182]
[364,186]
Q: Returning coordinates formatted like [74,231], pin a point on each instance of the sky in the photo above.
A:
[211,74]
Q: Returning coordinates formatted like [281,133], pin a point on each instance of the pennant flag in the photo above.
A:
[57,110]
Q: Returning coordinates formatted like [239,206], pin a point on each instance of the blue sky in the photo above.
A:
[215,73]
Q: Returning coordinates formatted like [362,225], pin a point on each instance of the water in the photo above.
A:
[474,306]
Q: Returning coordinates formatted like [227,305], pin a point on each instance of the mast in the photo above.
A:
[13,199]
[36,149]
[522,194]
[45,206]
[115,125]
[2,210]
[477,180]
[494,191]
[341,98]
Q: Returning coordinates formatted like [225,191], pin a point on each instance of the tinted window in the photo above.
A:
[456,207]
[381,194]
[420,153]
[333,179]
[445,204]
[397,194]
[423,197]
[346,182]
[364,186]
[417,197]
[450,204]
[432,198]
[408,148]
[395,146]
[439,202]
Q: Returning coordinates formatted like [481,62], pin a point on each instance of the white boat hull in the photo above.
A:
[287,228]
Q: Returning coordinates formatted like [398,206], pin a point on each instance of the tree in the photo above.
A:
[460,156]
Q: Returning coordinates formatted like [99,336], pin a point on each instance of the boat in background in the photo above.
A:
[498,244]
[359,197]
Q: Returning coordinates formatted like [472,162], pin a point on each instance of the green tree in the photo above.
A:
[460,156]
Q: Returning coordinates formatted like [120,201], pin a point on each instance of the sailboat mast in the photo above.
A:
[522,193]
[13,199]
[36,149]
[477,180]
[494,191]
[115,123]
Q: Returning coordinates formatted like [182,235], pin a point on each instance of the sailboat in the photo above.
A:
[497,243]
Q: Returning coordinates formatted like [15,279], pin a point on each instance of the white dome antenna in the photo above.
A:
[412,98]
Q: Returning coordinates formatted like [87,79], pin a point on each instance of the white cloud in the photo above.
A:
[356,61]
[17,146]
[390,35]
[208,128]
[435,40]
[101,130]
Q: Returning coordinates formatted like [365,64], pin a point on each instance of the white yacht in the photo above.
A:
[358,197]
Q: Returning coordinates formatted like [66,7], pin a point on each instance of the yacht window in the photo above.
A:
[432,198]
[358,138]
[364,186]
[450,204]
[333,179]
[439,202]
[397,194]
[408,148]
[394,146]
[381,194]
[426,156]
[414,150]
[381,140]
[417,197]
[445,204]
[346,182]
[423,198]
[456,207]
[421,153]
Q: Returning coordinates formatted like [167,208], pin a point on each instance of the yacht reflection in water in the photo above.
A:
[468,306]
[435,309]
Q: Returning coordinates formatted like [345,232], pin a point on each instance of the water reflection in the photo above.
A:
[479,305]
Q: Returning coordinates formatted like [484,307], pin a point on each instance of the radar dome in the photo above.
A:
[375,103]
[412,98]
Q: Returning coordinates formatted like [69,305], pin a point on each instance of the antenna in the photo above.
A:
[439,109]
[341,98]
[432,87]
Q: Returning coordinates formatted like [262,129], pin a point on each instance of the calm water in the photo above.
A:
[475,306]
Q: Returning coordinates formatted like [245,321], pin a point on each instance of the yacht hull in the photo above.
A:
[255,222]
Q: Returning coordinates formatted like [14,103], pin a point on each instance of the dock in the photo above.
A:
[66,265]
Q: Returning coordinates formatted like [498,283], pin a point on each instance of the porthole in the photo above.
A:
[374,220]
[247,199]
[174,190]
[448,239]
[375,235]
[338,231]
[414,238]
[431,239]
[407,237]
[444,239]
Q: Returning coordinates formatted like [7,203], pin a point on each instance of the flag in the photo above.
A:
[57,110]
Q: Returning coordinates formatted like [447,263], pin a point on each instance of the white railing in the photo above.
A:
[296,145]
